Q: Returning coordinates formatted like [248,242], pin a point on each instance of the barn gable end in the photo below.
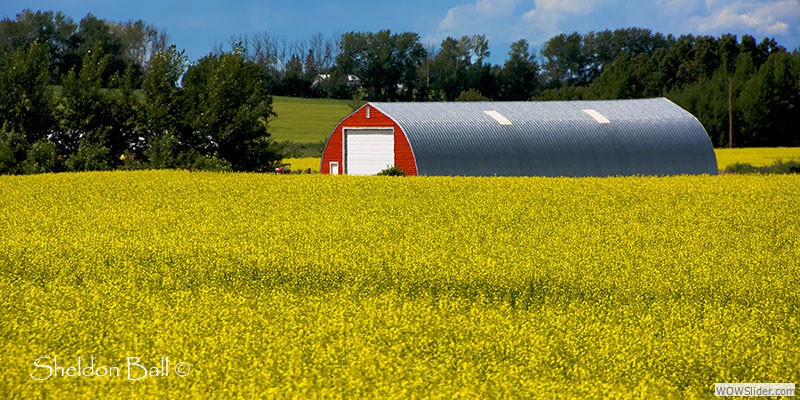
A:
[367,117]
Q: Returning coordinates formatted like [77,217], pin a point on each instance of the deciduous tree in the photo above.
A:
[229,111]
[519,76]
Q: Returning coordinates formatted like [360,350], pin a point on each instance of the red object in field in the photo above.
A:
[366,118]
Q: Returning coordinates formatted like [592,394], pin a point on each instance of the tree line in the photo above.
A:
[745,92]
[104,95]
[99,95]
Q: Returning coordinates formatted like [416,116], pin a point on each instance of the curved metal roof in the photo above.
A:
[564,138]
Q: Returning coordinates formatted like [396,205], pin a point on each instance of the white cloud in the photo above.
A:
[764,17]
[497,19]
[546,15]
[505,21]
[450,21]
[475,14]
[496,8]
[564,6]
[509,20]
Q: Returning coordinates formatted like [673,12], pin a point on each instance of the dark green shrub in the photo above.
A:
[161,151]
[778,167]
[783,167]
[741,168]
[89,157]
[41,158]
[392,171]
[472,95]
[200,162]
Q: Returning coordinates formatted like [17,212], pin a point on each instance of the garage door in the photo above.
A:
[369,151]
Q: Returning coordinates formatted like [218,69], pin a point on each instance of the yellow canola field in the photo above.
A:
[756,156]
[372,287]
[303,163]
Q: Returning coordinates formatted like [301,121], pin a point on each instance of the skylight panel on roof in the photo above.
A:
[597,116]
[500,118]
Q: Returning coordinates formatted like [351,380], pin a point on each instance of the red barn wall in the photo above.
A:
[403,156]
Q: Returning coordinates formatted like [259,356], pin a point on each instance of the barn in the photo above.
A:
[560,138]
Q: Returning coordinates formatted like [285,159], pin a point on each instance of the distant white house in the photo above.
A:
[352,80]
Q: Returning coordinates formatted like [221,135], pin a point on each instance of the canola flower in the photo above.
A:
[381,287]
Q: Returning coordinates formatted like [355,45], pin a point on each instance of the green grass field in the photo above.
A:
[306,120]
[265,286]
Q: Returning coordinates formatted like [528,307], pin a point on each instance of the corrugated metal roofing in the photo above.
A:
[642,137]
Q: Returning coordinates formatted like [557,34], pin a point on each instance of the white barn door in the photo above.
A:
[368,151]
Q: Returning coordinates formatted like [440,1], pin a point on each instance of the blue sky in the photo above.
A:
[197,25]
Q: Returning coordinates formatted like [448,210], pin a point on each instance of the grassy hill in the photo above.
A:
[299,120]
[306,120]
